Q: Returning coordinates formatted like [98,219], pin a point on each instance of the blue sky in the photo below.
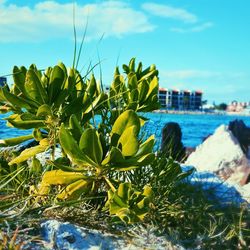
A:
[197,45]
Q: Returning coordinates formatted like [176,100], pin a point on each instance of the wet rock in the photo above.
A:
[242,133]
[221,153]
[171,144]
[239,175]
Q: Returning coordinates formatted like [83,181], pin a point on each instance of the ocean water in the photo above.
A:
[194,127]
[8,132]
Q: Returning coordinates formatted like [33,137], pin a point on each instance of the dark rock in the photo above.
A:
[241,132]
[248,179]
[70,238]
[171,145]
[189,151]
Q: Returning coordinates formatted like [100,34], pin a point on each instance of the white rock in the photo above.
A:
[246,191]
[45,156]
[219,151]
[64,235]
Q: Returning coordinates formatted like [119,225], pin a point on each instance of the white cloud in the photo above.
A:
[197,28]
[167,11]
[189,74]
[51,19]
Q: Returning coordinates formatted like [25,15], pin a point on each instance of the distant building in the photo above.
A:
[236,106]
[180,99]
[3,80]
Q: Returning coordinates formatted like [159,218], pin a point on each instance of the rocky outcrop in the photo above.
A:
[221,153]
[242,133]
[171,144]
[64,235]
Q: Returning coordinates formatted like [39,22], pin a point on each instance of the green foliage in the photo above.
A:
[137,91]
[94,157]
[42,101]
[222,106]
[188,216]
[128,204]
[59,105]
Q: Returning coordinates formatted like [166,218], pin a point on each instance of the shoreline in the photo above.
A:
[190,112]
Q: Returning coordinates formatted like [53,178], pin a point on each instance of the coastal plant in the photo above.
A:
[128,204]
[42,101]
[61,106]
[138,90]
[91,157]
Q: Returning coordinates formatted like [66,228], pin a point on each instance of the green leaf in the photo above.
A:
[63,67]
[134,95]
[75,128]
[59,177]
[37,134]
[146,159]
[70,81]
[14,141]
[132,81]
[57,78]
[139,69]
[44,111]
[114,156]
[19,76]
[74,107]
[90,144]
[127,119]
[115,203]
[28,153]
[34,87]
[68,88]
[153,88]
[45,78]
[147,191]
[25,121]
[128,142]
[36,166]
[132,64]
[72,149]
[91,88]
[74,190]
[143,90]
[93,104]
[117,85]
[126,68]
[150,75]
[13,99]
[123,191]
[63,163]
[146,147]
[128,204]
